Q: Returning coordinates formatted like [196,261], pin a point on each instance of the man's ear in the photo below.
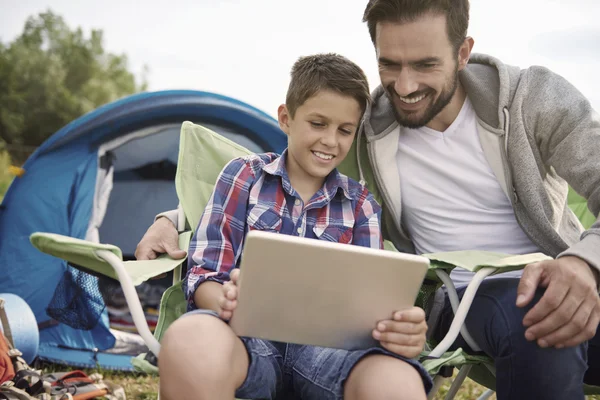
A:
[464,52]
[284,118]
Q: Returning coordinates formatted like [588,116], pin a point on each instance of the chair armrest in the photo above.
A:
[474,260]
[82,255]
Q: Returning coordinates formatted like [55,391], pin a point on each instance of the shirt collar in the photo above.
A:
[335,180]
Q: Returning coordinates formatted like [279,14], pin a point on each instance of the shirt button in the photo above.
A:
[300,231]
[297,202]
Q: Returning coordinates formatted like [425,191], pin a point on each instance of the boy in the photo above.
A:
[298,193]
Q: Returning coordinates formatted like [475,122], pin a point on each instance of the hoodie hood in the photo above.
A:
[489,83]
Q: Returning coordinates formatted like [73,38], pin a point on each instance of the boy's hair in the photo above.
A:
[311,74]
[456,12]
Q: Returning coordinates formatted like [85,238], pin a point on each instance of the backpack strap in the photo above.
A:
[5,325]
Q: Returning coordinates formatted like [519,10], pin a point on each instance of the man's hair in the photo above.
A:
[456,12]
[312,74]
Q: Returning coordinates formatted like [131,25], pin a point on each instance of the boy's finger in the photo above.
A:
[230,305]
[231,292]
[226,315]
[402,327]
[401,339]
[405,351]
[414,314]
[235,275]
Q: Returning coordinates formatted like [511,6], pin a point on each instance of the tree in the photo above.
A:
[50,75]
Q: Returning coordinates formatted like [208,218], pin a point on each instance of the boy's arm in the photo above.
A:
[217,242]
[367,227]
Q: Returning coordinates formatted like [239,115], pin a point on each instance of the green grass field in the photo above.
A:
[144,387]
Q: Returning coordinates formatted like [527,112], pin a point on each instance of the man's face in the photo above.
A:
[418,68]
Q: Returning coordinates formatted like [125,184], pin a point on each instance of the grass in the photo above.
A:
[145,387]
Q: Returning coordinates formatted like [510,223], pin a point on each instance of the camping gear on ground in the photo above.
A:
[104,177]
[18,381]
[23,329]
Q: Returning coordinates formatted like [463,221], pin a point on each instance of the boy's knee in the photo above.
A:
[384,377]
[188,346]
[196,339]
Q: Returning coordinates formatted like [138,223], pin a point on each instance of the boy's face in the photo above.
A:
[319,136]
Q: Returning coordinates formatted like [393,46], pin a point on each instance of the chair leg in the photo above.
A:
[438,381]
[461,313]
[486,395]
[458,381]
[454,301]
[133,301]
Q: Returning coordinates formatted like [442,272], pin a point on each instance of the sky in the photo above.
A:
[245,48]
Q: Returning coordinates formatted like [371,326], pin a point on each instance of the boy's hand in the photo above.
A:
[228,300]
[404,334]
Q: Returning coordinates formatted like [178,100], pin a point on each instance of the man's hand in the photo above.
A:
[404,334]
[228,299]
[161,237]
[569,311]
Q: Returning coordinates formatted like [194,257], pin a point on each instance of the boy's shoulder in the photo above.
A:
[255,162]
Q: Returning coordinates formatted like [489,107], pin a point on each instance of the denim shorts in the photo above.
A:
[278,370]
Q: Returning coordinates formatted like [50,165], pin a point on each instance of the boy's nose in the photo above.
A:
[329,137]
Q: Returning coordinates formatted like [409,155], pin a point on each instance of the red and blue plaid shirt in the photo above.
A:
[254,192]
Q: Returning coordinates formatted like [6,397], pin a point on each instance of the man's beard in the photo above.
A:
[405,120]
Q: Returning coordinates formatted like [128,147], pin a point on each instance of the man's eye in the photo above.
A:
[427,65]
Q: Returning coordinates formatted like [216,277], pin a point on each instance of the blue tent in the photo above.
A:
[103,177]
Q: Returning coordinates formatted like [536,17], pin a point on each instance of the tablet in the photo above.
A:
[315,292]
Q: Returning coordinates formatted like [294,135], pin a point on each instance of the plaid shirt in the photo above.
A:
[254,192]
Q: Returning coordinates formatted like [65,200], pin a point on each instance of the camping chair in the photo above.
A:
[480,368]
[202,155]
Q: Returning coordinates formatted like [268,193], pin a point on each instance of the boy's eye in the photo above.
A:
[346,131]
[317,124]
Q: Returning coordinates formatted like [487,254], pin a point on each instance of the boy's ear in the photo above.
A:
[283,117]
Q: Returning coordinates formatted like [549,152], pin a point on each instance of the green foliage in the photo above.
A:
[52,74]
[5,177]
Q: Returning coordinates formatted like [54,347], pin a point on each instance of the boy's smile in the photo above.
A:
[320,135]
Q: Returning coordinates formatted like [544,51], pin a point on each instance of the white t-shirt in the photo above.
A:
[451,199]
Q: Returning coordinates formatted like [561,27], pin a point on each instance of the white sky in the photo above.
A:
[245,48]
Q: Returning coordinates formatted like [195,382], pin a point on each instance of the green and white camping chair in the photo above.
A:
[202,155]
[480,368]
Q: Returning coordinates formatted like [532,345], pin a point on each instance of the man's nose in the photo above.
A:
[405,83]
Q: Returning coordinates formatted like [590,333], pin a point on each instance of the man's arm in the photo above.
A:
[161,237]
[217,243]
[171,215]
[567,132]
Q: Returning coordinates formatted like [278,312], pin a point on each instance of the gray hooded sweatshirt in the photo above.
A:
[539,135]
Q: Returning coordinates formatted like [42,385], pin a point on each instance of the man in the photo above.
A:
[468,153]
